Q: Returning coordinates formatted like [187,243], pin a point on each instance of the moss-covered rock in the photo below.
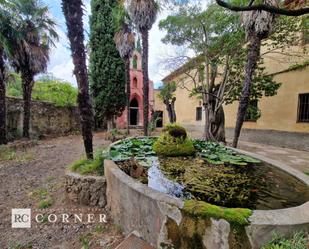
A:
[176,131]
[201,209]
[174,142]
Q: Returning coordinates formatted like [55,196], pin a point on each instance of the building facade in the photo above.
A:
[284,119]
[136,98]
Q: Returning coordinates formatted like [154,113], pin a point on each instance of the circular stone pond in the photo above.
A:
[215,198]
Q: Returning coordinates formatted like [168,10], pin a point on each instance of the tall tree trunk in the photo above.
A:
[73,13]
[252,59]
[3,135]
[27,83]
[173,110]
[218,127]
[145,36]
[207,125]
[128,85]
[169,110]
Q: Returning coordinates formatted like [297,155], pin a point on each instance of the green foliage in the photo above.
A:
[215,153]
[138,148]
[167,91]
[200,209]
[44,197]
[46,203]
[52,90]
[174,142]
[218,33]
[89,166]
[107,69]
[298,241]
[176,131]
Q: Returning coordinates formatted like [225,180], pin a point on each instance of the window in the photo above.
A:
[199,113]
[253,113]
[135,82]
[303,107]
[135,62]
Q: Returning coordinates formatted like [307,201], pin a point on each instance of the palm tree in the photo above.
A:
[8,34]
[31,50]
[143,13]
[258,25]
[73,13]
[125,43]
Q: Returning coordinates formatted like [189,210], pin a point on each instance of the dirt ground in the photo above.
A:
[34,171]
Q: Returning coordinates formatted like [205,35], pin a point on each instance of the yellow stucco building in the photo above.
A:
[284,117]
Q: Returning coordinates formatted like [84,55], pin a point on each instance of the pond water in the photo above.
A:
[259,186]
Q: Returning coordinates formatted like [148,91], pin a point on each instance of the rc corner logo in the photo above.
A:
[21,218]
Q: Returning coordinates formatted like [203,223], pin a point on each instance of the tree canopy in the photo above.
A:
[59,92]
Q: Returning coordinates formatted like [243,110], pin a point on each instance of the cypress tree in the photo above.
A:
[107,68]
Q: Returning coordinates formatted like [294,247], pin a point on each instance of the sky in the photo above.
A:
[61,65]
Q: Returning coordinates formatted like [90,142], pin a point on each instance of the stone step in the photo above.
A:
[133,242]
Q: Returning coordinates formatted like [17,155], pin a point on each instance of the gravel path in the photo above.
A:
[30,173]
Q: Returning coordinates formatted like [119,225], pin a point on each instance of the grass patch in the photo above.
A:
[298,241]
[9,154]
[306,173]
[18,245]
[46,203]
[43,197]
[98,229]
[235,216]
[86,166]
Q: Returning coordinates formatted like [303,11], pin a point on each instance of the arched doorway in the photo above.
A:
[134,112]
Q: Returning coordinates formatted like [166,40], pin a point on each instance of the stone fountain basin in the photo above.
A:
[135,207]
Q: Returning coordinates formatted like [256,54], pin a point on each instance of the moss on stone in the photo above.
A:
[174,142]
[235,216]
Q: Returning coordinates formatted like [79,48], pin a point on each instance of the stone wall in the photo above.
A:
[46,119]
[86,190]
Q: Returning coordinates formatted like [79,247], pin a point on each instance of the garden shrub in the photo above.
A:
[174,142]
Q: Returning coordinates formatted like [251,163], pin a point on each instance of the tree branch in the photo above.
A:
[265,7]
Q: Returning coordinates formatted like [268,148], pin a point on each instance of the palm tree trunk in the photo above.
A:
[128,85]
[3,135]
[145,36]
[73,13]
[27,84]
[252,59]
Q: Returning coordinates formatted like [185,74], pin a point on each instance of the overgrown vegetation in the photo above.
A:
[174,142]
[52,90]
[200,209]
[90,166]
[298,241]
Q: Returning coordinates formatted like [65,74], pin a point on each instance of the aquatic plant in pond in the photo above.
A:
[215,153]
[139,148]
[214,174]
